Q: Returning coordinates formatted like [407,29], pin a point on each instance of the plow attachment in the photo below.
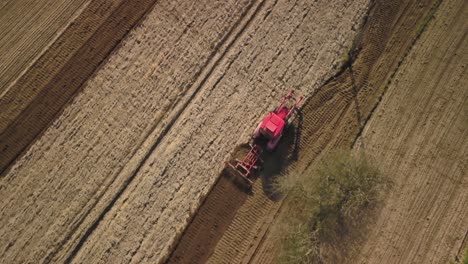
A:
[245,167]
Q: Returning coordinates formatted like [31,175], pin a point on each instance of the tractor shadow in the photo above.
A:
[276,163]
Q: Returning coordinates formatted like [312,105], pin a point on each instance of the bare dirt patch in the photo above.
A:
[211,222]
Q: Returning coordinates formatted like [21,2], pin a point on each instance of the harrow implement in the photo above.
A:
[269,131]
[245,166]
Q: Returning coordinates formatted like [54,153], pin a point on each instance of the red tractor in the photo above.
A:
[269,130]
[272,126]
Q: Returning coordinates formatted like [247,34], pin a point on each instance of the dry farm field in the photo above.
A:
[332,118]
[114,136]
[146,137]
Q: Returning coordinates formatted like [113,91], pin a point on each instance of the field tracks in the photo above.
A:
[7,86]
[425,22]
[160,129]
[37,98]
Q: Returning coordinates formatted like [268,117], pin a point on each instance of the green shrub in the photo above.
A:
[347,184]
[320,203]
[298,245]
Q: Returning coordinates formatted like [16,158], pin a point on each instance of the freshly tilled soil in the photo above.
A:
[212,220]
[418,136]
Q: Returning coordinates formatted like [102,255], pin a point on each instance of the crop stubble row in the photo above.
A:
[28,27]
[38,96]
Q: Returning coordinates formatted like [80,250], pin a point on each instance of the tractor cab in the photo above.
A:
[272,125]
[269,131]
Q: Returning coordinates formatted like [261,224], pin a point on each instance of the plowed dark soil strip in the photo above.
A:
[33,102]
[330,119]
[211,222]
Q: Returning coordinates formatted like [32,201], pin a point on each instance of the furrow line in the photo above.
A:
[218,54]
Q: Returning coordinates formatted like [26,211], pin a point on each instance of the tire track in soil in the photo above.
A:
[329,121]
[210,222]
[34,101]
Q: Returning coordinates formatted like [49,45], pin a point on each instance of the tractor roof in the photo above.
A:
[272,125]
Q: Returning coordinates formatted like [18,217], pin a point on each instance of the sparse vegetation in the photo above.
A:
[463,260]
[428,18]
[465,256]
[345,59]
[323,202]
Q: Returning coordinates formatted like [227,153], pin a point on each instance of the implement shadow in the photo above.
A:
[276,162]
